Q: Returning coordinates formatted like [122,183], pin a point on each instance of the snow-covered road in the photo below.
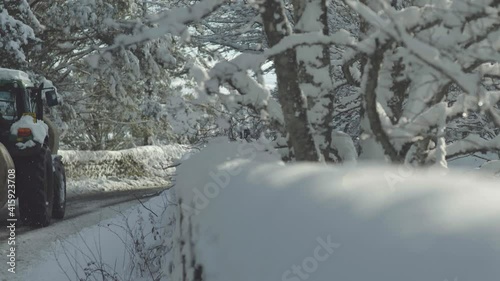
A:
[82,211]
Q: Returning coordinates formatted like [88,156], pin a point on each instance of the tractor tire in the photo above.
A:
[6,165]
[37,198]
[59,189]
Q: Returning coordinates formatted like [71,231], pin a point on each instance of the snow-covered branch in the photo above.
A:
[174,22]
[472,144]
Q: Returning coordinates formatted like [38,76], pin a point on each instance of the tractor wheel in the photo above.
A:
[37,198]
[6,165]
[59,189]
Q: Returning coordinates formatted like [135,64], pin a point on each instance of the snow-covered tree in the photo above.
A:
[17,30]
[418,87]
[116,89]
[414,64]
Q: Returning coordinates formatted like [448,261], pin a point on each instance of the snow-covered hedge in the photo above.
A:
[244,215]
[135,162]
[139,167]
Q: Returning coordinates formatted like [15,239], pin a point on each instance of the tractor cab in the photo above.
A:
[20,97]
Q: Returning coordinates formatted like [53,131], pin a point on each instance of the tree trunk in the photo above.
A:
[289,94]
[314,72]
[371,149]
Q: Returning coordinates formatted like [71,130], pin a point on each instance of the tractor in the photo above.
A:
[30,169]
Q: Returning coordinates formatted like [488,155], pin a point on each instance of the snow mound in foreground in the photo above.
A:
[491,167]
[141,167]
[246,216]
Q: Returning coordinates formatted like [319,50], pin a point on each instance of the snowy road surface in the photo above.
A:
[81,211]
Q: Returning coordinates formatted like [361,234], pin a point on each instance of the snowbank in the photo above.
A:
[471,161]
[131,246]
[246,216]
[141,167]
[491,167]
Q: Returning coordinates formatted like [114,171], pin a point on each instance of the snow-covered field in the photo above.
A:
[141,167]
[248,216]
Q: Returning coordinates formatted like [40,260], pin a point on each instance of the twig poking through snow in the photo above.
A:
[145,206]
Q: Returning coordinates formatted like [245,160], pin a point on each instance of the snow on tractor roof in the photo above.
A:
[17,75]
